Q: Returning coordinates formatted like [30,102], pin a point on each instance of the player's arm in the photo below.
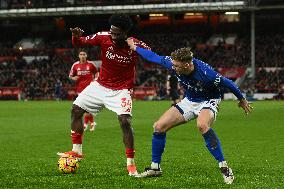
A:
[97,75]
[76,36]
[73,73]
[141,44]
[78,40]
[74,78]
[243,103]
[95,70]
[149,55]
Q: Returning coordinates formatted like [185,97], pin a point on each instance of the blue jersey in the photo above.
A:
[202,84]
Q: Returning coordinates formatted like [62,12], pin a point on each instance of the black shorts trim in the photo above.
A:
[179,109]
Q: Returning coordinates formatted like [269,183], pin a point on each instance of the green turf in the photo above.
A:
[32,132]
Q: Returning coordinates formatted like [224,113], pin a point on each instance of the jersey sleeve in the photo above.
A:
[232,86]
[73,71]
[94,39]
[149,55]
[221,81]
[94,68]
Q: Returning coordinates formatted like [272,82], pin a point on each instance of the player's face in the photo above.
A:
[83,56]
[180,67]
[118,35]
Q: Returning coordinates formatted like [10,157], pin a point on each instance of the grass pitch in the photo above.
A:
[32,132]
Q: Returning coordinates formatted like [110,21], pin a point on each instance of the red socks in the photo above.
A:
[88,118]
[76,138]
[129,152]
[91,119]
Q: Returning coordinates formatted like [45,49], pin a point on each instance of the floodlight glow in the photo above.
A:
[231,13]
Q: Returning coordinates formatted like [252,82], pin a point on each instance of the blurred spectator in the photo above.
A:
[58,90]
[38,78]
[280,94]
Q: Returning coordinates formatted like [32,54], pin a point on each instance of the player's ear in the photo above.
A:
[186,65]
[189,64]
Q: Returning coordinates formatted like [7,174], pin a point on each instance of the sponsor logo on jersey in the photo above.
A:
[118,58]
[191,84]
[217,80]
[83,72]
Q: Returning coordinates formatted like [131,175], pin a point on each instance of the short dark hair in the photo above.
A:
[182,55]
[82,50]
[121,21]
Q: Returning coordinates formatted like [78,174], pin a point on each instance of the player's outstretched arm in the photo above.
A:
[75,78]
[146,54]
[243,103]
[149,55]
[76,32]
[76,36]
[79,40]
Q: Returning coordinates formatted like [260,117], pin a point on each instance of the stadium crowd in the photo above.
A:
[19,4]
[38,78]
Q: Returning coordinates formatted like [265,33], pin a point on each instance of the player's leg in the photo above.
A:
[93,124]
[120,102]
[76,133]
[205,120]
[128,140]
[168,120]
[90,100]
[77,128]
[86,121]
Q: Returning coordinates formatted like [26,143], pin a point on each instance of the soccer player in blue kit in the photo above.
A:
[203,89]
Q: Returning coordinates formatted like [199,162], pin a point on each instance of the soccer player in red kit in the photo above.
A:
[113,87]
[84,72]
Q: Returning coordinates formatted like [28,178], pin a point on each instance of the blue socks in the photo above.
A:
[158,146]
[213,144]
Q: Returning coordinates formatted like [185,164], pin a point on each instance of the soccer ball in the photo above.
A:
[67,165]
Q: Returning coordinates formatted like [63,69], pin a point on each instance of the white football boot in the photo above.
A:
[226,172]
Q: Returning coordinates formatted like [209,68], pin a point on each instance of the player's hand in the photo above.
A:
[75,78]
[131,44]
[244,104]
[76,32]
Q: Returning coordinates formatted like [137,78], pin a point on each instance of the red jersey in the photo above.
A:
[85,73]
[118,63]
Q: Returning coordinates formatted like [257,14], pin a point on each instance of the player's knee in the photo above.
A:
[203,127]
[159,127]
[125,121]
[77,112]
